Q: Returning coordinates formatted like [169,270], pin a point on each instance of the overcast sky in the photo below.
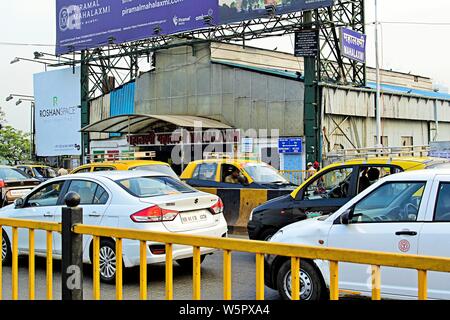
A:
[417,48]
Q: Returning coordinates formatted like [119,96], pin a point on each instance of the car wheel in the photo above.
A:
[188,263]
[6,249]
[267,234]
[311,285]
[107,261]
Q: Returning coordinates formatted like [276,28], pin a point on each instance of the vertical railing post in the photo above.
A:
[72,249]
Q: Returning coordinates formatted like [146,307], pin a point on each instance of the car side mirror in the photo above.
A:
[346,217]
[19,203]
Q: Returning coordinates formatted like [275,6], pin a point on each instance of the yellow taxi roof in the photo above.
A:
[226,160]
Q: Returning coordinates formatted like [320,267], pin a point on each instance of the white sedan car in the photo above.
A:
[126,199]
[406,213]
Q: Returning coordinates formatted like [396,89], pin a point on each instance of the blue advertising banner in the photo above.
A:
[240,10]
[92,23]
[353,45]
[290,145]
[83,24]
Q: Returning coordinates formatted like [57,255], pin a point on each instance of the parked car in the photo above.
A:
[14,184]
[124,165]
[406,213]
[40,172]
[327,191]
[127,199]
[250,174]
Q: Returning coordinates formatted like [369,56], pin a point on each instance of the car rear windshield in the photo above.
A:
[157,168]
[145,187]
[9,174]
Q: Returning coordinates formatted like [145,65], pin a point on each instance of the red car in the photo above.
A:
[14,184]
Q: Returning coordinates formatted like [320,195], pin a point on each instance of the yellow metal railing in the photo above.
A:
[294,176]
[31,226]
[422,264]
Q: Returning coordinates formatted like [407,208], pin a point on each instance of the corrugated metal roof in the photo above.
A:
[405,90]
[270,71]
[370,85]
[135,123]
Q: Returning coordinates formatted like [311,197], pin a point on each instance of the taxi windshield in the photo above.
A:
[263,173]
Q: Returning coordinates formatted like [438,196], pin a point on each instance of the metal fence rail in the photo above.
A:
[32,226]
[422,264]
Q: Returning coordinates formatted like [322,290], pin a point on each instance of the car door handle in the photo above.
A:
[406,233]
[94,214]
[48,214]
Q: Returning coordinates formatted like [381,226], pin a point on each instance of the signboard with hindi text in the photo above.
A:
[353,45]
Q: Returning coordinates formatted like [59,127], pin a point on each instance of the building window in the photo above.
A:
[407,141]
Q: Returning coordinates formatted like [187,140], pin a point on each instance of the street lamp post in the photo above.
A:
[27,98]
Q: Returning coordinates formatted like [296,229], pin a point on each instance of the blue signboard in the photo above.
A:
[290,145]
[353,45]
[83,24]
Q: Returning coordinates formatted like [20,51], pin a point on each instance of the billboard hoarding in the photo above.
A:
[58,113]
[84,24]
[93,23]
[353,45]
[240,10]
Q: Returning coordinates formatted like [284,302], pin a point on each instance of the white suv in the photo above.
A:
[403,213]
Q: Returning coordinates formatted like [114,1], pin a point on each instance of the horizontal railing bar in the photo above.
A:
[288,250]
[31,224]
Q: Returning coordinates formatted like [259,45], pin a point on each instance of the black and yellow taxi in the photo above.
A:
[228,173]
[127,165]
[328,190]
[37,171]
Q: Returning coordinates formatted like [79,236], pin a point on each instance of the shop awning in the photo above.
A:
[138,123]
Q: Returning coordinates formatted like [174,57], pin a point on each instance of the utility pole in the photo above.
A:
[84,105]
[312,103]
[378,106]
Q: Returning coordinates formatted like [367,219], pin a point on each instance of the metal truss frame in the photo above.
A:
[120,63]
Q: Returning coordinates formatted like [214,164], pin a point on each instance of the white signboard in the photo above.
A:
[58,112]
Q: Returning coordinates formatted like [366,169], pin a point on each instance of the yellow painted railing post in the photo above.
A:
[169,272]
[295,278]
[259,276]
[31,266]
[15,264]
[196,275]
[119,270]
[423,285]
[49,265]
[334,280]
[96,268]
[143,270]
[376,283]
[1,264]
[227,275]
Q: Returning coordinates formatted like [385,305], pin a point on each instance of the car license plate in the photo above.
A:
[19,193]
[193,217]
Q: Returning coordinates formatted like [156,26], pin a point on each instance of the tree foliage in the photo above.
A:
[14,145]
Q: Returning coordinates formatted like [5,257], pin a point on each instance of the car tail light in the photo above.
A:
[217,208]
[2,183]
[154,214]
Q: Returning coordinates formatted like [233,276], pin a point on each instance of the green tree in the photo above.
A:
[14,145]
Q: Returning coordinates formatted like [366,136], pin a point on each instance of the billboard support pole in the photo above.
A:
[312,105]
[84,105]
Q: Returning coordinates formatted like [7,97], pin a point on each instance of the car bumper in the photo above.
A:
[131,248]
[254,229]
